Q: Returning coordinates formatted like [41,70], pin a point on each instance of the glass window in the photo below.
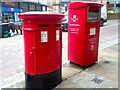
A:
[7,16]
[24,6]
[118,5]
[32,7]
[93,14]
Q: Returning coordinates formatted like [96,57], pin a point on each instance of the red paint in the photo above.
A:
[42,57]
[82,47]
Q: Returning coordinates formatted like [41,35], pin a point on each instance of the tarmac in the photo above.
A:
[103,74]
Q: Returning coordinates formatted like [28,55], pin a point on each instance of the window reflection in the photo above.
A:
[93,14]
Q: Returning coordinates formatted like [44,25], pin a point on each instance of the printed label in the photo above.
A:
[92,40]
[92,31]
[44,36]
[57,35]
[74,30]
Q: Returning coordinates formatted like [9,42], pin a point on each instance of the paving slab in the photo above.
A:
[87,80]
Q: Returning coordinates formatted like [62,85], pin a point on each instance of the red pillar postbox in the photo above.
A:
[83,32]
[43,48]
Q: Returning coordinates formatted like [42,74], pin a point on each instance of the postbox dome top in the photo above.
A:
[38,14]
[78,4]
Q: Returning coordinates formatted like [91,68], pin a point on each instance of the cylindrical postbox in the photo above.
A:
[43,48]
[83,32]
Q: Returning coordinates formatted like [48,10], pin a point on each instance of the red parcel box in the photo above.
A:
[43,48]
[83,32]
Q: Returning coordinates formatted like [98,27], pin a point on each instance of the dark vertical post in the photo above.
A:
[28,6]
[39,6]
[45,8]
[0,11]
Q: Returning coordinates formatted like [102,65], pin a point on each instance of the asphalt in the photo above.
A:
[104,74]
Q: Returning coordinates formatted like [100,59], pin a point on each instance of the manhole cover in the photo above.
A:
[97,80]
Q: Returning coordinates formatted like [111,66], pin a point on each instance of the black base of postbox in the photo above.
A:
[45,81]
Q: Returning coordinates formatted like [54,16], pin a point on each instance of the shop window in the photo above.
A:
[118,5]
[6,16]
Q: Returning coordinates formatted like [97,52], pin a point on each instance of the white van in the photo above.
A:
[103,15]
[103,18]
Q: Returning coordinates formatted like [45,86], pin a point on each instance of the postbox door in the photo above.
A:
[58,47]
[92,35]
[91,50]
[49,48]
[30,52]
[76,34]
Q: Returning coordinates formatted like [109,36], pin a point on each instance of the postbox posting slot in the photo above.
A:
[57,24]
[93,14]
[43,25]
[44,34]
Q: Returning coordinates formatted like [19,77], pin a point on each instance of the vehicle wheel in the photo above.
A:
[101,23]
[65,30]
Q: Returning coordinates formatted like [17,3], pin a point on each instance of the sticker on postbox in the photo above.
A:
[92,31]
[57,35]
[44,36]
[92,47]
[74,18]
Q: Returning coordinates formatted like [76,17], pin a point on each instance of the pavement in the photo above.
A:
[104,74]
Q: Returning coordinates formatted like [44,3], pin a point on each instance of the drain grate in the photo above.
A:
[97,80]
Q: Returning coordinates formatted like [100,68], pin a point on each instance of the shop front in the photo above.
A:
[10,14]
[114,6]
[10,11]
